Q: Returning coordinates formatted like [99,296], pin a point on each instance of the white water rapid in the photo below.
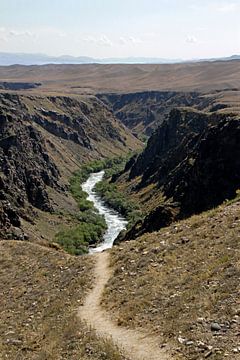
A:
[115,222]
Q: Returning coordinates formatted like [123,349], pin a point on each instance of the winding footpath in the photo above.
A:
[136,344]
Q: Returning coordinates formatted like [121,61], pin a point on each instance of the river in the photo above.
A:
[115,222]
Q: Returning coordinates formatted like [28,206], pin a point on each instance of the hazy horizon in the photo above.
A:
[170,29]
[114,57]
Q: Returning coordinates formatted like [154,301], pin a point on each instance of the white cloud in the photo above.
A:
[3,39]
[191,39]
[62,34]
[200,28]
[105,41]
[227,7]
[129,40]
[89,39]
[151,34]
[135,40]
[216,6]
[17,33]
[123,40]
[7,34]
[14,33]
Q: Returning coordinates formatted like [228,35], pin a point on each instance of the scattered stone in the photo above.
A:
[208,354]
[14,341]
[215,326]
[181,340]
[200,319]
[10,332]
[189,343]
[184,240]
[202,345]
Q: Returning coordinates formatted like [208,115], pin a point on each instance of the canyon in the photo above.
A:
[181,125]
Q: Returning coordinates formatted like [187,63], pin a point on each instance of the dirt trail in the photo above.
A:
[135,344]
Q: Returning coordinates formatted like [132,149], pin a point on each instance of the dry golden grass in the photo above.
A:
[218,80]
[41,290]
[202,76]
[177,281]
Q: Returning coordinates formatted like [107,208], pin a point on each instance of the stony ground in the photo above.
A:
[182,283]
[41,290]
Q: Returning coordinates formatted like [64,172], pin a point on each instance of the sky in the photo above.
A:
[176,29]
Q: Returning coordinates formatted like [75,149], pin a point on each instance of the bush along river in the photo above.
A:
[115,222]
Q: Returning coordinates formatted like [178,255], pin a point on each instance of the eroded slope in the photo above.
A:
[182,283]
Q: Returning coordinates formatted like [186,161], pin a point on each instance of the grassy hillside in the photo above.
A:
[41,290]
[182,283]
[202,76]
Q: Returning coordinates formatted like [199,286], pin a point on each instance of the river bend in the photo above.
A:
[115,222]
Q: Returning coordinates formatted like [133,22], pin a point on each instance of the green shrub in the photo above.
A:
[110,194]
[89,231]
[91,225]
[77,239]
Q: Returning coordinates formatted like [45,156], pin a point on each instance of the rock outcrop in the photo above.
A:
[25,170]
[169,145]
[193,161]
[210,173]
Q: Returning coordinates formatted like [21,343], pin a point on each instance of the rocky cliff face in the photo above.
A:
[44,139]
[79,121]
[193,161]
[143,112]
[25,171]
[210,173]
[5,85]
[169,145]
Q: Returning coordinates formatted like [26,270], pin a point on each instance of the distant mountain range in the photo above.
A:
[41,59]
